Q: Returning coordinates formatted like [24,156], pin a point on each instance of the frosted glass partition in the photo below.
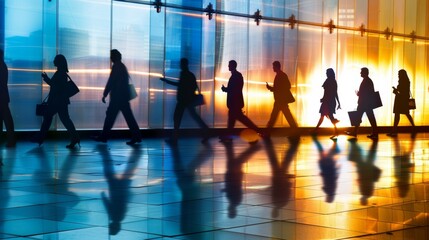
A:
[345,35]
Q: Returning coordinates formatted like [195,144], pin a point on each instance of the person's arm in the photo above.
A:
[168,81]
[109,84]
[46,78]
[338,100]
[269,87]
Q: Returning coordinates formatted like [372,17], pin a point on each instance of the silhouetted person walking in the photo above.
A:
[118,88]
[400,106]
[235,101]
[186,87]
[282,97]
[58,102]
[365,104]
[329,101]
[5,114]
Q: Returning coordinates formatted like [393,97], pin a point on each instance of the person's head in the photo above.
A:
[232,65]
[330,73]
[276,66]
[184,64]
[61,63]
[1,55]
[364,72]
[402,74]
[115,55]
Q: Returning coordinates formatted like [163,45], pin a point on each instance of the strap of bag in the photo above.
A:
[44,100]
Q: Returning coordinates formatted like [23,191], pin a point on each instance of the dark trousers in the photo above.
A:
[371,118]
[111,114]
[180,110]
[286,112]
[237,114]
[63,113]
[6,118]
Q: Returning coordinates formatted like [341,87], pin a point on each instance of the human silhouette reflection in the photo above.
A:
[192,207]
[281,181]
[403,165]
[234,175]
[55,182]
[328,169]
[119,186]
[368,173]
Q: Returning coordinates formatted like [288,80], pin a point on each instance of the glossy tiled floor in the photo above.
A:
[311,189]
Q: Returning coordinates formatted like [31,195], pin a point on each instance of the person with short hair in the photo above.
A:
[235,101]
[119,90]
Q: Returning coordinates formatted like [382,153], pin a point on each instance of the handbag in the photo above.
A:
[133,92]
[376,103]
[71,88]
[42,108]
[411,102]
[198,100]
[355,118]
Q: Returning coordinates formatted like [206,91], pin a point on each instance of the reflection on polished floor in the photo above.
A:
[314,188]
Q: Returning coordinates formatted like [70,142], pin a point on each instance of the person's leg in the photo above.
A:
[334,122]
[177,118]
[6,117]
[201,123]
[372,121]
[63,113]
[410,119]
[232,117]
[46,123]
[247,122]
[197,117]
[396,119]
[273,117]
[131,122]
[111,114]
[288,115]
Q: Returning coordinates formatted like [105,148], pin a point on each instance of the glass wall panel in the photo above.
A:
[232,43]
[183,40]
[309,62]
[130,35]
[157,31]
[23,48]
[84,38]
[208,56]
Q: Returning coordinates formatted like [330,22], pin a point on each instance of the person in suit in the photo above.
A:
[400,106]
[186,87]
[365,104]
[282,97]
[235,101]
[58,102]
[5,114]
[118,88]
[329,102]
